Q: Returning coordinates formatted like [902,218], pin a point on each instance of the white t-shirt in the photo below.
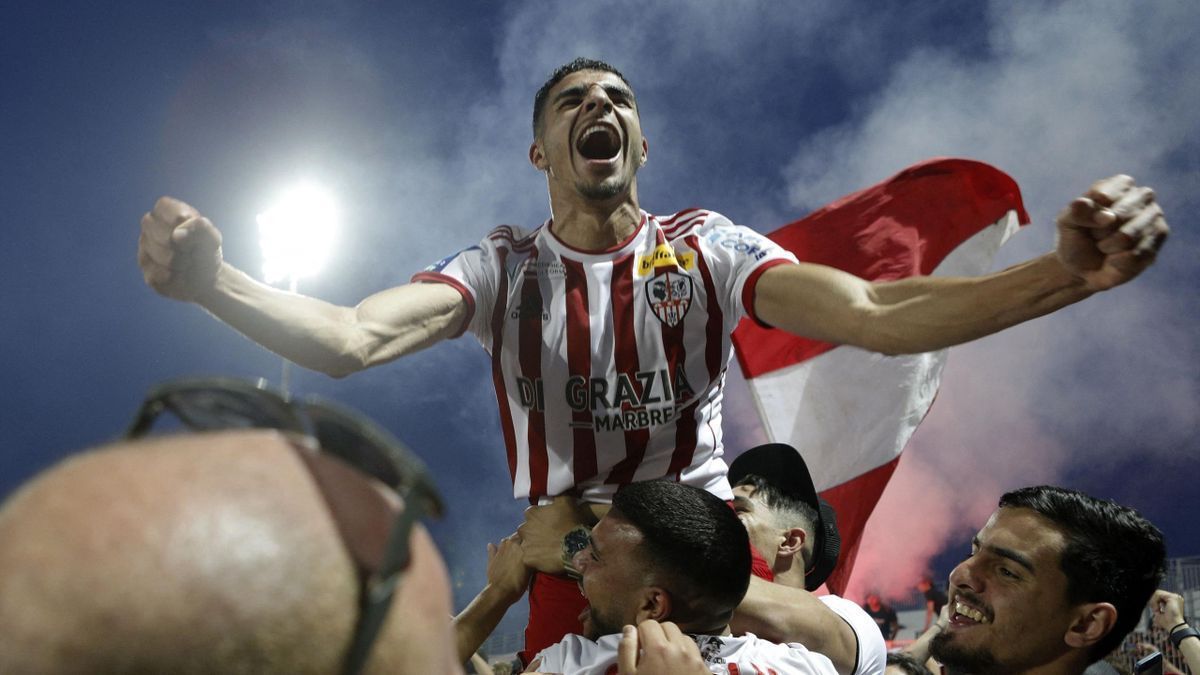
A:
[872,651]
[609,366]
[742,655]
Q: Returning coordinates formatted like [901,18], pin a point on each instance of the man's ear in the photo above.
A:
[645,153]
[1093,621]
[655,604]
[792,545]
[536,157]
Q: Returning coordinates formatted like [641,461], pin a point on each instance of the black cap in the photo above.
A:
[782,467]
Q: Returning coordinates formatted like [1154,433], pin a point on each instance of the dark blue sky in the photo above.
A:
[417,117]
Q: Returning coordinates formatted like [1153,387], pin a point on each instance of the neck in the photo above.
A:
[594,225]
[697,629]
[789,570]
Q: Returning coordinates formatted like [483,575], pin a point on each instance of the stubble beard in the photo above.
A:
[604,190]
[958,659]
[598,626]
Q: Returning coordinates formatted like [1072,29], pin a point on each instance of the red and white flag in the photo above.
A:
[848,411]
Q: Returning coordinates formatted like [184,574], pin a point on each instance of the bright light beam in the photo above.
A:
[296,236]
[297,233]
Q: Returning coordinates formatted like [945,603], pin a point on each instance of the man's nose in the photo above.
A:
[964,575]
[596,97]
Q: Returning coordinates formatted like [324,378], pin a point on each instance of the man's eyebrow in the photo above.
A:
[613,89]
[576,90]
[1008,554]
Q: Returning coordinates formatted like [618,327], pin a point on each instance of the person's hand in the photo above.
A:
[1111,233]
[943,619]
[179,250]
[543,530]
[653,648]
[1145,649]
[1166,610]
[506,569]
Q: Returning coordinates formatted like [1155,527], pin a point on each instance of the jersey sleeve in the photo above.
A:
[737,257]
[473,272]
[872,651]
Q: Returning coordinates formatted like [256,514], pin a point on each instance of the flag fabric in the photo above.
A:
[850,412]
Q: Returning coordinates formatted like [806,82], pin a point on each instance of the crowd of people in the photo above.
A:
[295,546]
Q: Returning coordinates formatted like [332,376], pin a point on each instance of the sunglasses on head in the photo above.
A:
[211,404]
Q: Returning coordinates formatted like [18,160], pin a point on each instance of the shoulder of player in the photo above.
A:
[512,237]
[689,221]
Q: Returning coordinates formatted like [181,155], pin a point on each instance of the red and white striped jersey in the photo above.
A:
[609,365]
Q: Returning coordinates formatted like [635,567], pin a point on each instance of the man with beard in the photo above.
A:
[609,327]
[669,552]
[1054,582]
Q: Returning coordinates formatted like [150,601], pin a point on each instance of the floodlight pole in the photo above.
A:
[285,375]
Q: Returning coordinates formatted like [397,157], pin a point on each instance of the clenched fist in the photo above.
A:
[1112,233]
[179,250]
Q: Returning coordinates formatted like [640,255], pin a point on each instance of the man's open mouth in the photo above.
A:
[964,613]
[599,142]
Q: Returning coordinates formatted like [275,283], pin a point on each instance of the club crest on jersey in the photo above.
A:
[670,296]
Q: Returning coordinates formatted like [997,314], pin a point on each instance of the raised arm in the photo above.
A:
[507,580]
[179,252]
[784,614]
[1105,238]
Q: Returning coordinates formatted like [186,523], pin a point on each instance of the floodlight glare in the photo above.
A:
[297,233]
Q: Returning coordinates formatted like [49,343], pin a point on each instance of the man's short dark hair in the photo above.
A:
[908,663]
[1112,555]
[580,63]
[695,546]
[788,510]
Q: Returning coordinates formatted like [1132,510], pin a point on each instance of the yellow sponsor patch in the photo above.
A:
[665,256]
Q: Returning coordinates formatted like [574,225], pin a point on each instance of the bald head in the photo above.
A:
[213,552]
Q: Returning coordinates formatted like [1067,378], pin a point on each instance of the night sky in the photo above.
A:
[417,118]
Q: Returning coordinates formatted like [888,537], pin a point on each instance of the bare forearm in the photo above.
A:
[330,338]
[926,313]
[920,647]
[913,315]
[1189,649]
[784,614]
[474,624]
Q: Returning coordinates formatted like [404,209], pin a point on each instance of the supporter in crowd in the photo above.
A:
[243,551]
[796,533]
[1166,611]
[884,616]
[935,599]
[1055,581]
[665,552]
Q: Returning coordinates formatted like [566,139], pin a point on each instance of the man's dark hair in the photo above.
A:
[908,663]
[580,63]
[695,548]
[1112,555]
[787,510]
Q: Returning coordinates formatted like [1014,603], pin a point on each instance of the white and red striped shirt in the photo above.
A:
[609,365]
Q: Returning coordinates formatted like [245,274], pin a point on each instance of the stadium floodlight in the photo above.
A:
[297,233]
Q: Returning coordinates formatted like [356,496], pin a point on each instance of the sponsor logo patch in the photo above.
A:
[665,256]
